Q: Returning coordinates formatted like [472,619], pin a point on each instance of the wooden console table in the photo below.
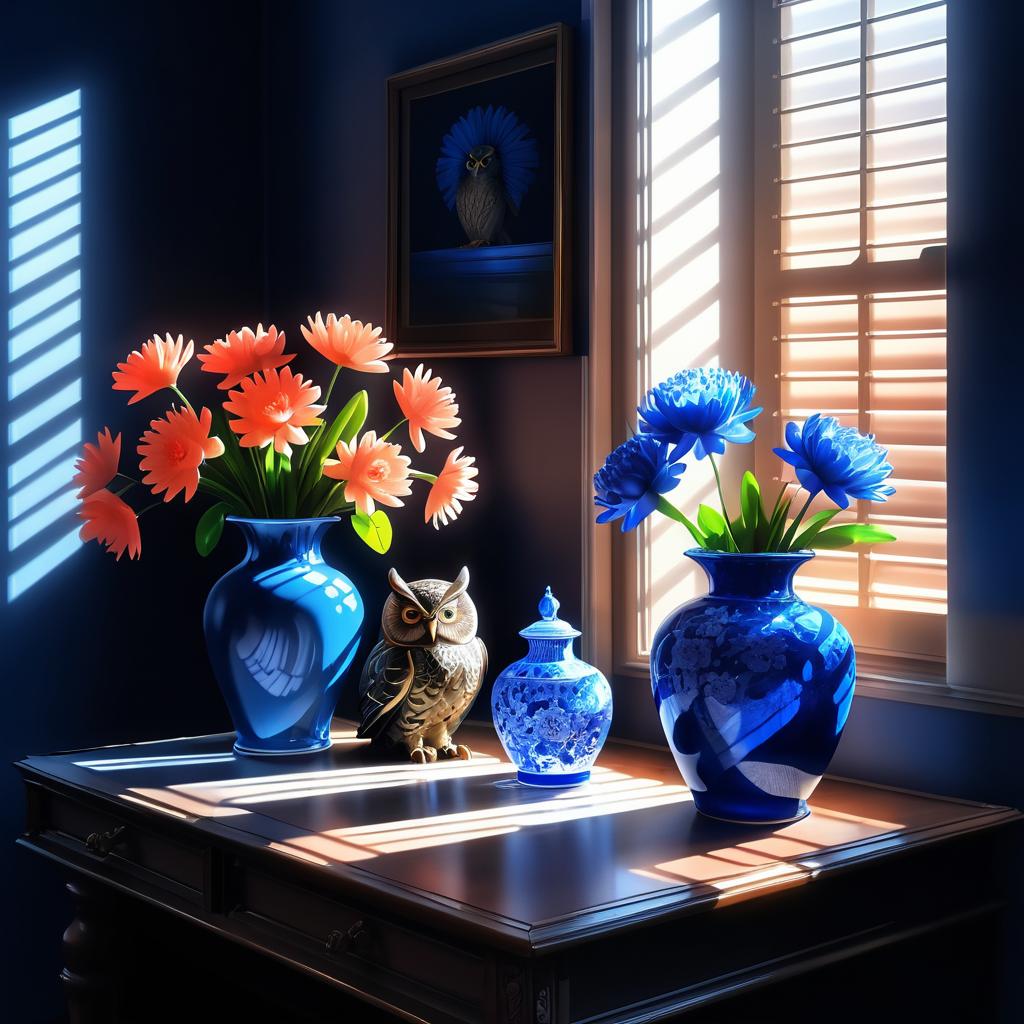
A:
[449,893]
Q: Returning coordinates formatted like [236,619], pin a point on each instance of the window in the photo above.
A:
[42,427]
[781,209]
[850,296]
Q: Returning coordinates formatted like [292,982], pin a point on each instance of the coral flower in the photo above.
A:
[455,484]
[274,406]
[98,463]
[372,470]
[426,405]
[152,367]
[348,342]
[111,521]
[174,448]
[243,353]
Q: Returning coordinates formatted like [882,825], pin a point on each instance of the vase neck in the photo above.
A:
[767,576]
[273,541]
[544,649]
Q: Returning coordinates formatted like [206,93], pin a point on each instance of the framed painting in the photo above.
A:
[478,201]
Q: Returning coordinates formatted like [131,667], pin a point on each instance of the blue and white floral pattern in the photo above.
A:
[552,711]
[753,687]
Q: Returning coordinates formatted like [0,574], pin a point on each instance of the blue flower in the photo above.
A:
[838,460]
[700,409]
[632,478]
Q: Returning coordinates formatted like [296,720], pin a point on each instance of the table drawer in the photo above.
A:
[106,837]
[355,940]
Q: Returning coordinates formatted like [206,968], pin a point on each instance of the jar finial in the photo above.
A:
[549,605]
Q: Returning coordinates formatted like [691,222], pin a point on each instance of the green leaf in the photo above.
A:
[710,521]
[813,527]
[345,426]
[210,527]
[375,531]
[750,500]
[851,533]
[667,509]
[777,525]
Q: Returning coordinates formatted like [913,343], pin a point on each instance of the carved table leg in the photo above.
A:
[87,977]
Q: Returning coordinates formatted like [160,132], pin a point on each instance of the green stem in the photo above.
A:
[220,491]
[721,496]
[142,512]
[394,428]
[261,483]
[330,387]
[125,476]
[666,508]
[787,537]
[181,395]
[429,477]
[301,465]
[321,509]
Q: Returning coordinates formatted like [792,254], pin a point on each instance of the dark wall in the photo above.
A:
[326,239]
[103,652]
[227,146]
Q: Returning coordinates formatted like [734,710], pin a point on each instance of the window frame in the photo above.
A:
[612,596]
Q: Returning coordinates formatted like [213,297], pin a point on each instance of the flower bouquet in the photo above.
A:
[268,452]
[282,626]
[753,685]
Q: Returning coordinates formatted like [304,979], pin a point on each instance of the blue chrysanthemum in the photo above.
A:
[632,478]
[838,460]
[700,409]
[497,127]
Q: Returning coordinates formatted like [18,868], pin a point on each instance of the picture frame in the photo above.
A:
[480,144]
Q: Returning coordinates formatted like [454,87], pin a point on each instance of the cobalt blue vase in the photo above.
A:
[281,629]
[753,686]
[551,710]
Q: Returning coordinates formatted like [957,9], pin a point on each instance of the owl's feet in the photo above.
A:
[424,755]
[453,750]
[476,243]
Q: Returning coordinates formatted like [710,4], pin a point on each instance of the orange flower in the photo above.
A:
[372,470]
[348,342]
[98,463]
[273,406]
[110,521]
[455,484]
[153,367]
[173,449]
[426,405]
[243,353]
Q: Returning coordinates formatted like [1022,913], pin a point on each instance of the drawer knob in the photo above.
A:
[357,940]
[101,843]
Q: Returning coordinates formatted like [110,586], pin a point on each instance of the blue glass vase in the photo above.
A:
[753,686]
[552,711]
[281,629]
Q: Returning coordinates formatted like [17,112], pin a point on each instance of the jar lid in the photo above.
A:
[549,626]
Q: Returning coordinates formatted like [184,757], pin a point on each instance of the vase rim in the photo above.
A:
[802,554]
[274,521]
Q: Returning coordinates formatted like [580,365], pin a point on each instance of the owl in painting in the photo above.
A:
[421,678]
[487,163]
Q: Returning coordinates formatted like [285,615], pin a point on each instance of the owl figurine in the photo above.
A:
[481,201]
[421,678]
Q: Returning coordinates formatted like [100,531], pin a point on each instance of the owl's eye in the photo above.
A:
[411,615]
[449,613]
[486,160]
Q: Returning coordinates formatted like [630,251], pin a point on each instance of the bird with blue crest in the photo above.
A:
[487,163]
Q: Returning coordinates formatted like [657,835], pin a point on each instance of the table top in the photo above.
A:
[552,866]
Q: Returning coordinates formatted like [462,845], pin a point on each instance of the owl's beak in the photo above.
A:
[432,626]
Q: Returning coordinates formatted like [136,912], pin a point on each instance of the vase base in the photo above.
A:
[312,748]
[799,816]
[553,780]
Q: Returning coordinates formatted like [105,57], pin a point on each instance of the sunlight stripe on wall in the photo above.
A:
[43,428]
